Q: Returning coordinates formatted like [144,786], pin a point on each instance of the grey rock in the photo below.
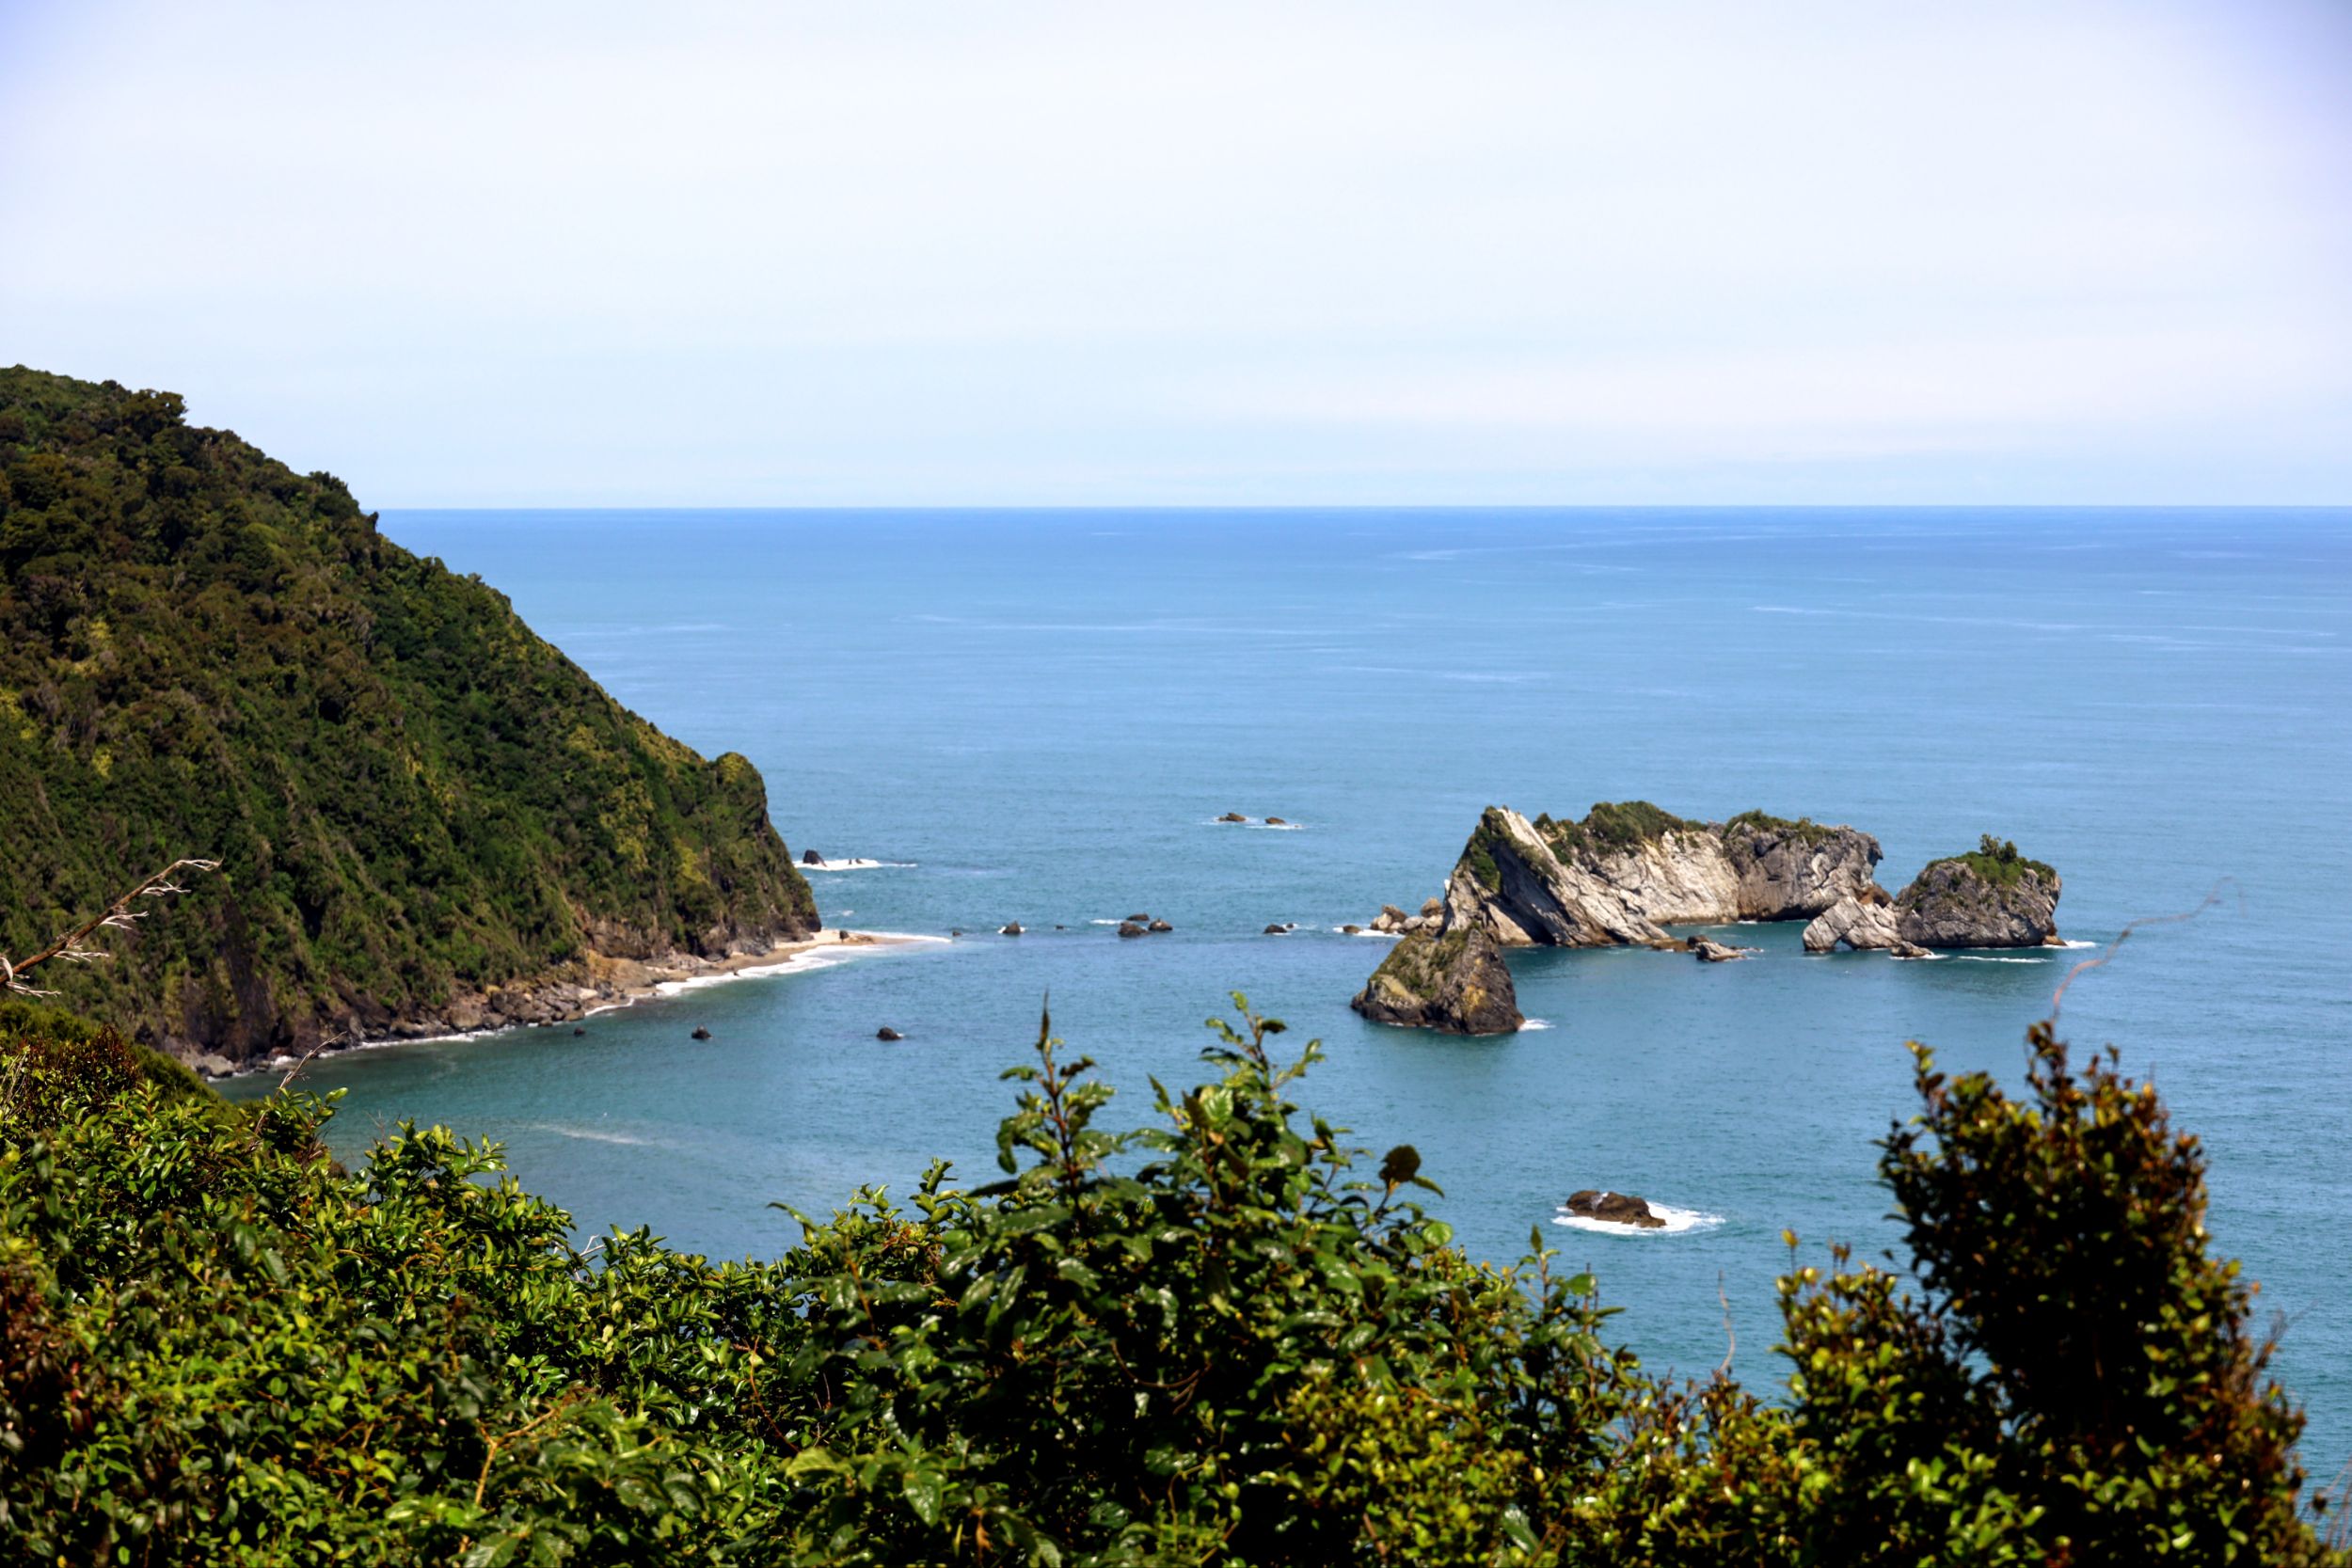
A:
[1863,924]
[1708,952]
[1598,884]
[1981,901]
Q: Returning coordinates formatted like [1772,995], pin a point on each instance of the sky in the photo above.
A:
[1672,252]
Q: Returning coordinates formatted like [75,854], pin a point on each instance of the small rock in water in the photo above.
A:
[701,1034]
[576,1030]
[888,1032]
[1276,822]
[810,857]
[1140,919]
[1617,1208]
[1130,928]
[1716,953]
[1278,930]
[1351,931]
[1232,817]
[1158,925]
[1011,928]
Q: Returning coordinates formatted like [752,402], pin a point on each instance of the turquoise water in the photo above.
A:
[1042,714]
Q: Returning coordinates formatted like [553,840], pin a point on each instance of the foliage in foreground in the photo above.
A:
[1223,1337]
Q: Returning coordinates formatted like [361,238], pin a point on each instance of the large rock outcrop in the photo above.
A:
[1455,982]
[1992,898]
[1624,873]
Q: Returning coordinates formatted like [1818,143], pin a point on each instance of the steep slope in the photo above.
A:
[413,797]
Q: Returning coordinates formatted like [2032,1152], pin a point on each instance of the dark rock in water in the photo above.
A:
[810,857]
[1351,931]
[1232,817]
[1277,930]
[1061,927]
[888,1032]
[1129,929]
[1991,898]
[1011,928]
[1276,822]
[702,1033]
[1456,983]
[1140,919]
[1158,925]
[1716,953]
[955,930]
[1617,1208]
[578,1031]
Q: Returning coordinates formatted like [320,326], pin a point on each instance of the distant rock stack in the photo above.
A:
[1456,983]
[1993,897]
[1619,877]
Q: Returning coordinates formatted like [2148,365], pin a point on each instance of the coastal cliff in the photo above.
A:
[1625,872]
[426,815]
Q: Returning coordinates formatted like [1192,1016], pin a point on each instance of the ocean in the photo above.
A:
[1038,716]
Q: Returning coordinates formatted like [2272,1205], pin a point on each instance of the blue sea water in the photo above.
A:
[1040,714]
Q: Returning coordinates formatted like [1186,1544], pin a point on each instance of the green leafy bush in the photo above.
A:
[1225,1337]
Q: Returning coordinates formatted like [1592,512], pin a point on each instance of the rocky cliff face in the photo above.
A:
[1980,901]
[1456,983]
[1626,871]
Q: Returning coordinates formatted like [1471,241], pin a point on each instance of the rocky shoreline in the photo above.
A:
[601,984]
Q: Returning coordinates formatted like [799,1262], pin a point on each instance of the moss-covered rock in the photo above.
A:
[1455,982]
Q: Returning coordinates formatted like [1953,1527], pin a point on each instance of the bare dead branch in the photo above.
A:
[2058,996]
[119,916]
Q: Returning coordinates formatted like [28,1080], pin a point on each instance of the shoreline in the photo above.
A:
[612,984]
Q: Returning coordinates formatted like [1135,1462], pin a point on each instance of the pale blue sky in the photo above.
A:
[583,253]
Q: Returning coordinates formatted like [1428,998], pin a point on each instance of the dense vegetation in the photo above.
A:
[1996,860]
[1611,826]
[1226,1337]
[202,651]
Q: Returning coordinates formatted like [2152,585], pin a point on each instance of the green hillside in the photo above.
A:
[412,796]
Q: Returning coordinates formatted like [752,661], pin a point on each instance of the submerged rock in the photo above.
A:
[1993,897]
[1140,919]
[1617,1208]
[1456,983]
[701,1034]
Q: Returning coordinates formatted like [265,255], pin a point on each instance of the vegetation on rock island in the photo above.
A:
[1225,1337]
[1997,861]
[410,792]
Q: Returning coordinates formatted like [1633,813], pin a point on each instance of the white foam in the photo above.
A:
[857,865]
[1272,826]
[1678,1222]
[2082,945]
[1535,1023]
[1988,958]
[593,1134]
[1367,931]
[826,957]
